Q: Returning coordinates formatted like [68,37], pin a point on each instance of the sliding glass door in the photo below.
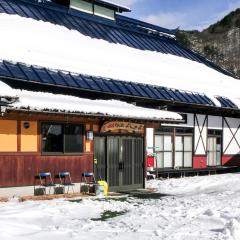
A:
[164,151]
[183,151]
[214,148]
[173,147]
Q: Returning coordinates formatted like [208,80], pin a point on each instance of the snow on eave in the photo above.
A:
[158,32]
[214,100]
[48,102]
[6,91]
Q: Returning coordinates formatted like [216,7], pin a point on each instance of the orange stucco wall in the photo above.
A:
[29,137]
[8,136]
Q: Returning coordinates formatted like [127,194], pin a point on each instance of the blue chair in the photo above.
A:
[87,181]
[87,176]
[65,181]
[45,181]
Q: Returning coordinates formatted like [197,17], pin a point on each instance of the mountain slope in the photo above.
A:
[219,43]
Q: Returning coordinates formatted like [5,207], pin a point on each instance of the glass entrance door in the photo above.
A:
[214,151]
[125,161]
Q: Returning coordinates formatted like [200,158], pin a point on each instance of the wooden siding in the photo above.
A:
[20,169]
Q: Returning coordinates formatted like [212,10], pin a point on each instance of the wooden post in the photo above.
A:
[173,146]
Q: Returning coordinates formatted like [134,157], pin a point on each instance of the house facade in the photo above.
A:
[64,62]
[203,141]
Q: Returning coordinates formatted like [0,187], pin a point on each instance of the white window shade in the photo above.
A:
[178,143]
[159,143]
[168,163]
[167,143]
[187,159]
[178,159]
[187,143]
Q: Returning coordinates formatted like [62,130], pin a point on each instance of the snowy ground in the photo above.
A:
[200,208]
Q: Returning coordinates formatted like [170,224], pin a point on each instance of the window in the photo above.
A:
[173,151]
[214,132]
[83,6]
[52,138]
[164,151]
[164,130]
[88,6]
[187,131]
[73,138]
[62,138]
[183,151]
[104,12]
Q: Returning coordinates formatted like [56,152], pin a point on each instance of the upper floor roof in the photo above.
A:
[122,30]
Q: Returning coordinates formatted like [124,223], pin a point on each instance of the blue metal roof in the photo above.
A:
[226,103]
[127,31]
[19,72]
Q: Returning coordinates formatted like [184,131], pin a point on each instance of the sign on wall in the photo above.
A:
[127,126]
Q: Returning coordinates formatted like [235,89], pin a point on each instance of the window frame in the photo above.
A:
[175,132]
[63,153]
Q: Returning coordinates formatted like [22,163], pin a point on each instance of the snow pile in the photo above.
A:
[193,185]
[52,46]
[202,215]
[39,101]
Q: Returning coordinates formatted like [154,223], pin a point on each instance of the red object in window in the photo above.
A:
[150,161]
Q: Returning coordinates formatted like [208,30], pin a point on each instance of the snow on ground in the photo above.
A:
[205,207]
[52,46]
[39,101]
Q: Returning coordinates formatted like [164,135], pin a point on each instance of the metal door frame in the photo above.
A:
[122,187]
[94,157]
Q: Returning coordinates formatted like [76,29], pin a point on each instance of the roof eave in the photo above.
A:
[95,115]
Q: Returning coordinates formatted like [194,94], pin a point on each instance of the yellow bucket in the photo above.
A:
[105,186]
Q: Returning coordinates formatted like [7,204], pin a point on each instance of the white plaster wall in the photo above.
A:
[215,122]
[233,148]
[199,145]
[149,140]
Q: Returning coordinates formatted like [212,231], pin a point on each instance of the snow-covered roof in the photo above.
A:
[54,46]
[7,91]
[42,101]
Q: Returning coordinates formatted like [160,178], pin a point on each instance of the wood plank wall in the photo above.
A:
[19,170]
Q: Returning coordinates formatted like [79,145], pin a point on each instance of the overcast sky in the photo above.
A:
[186,14]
